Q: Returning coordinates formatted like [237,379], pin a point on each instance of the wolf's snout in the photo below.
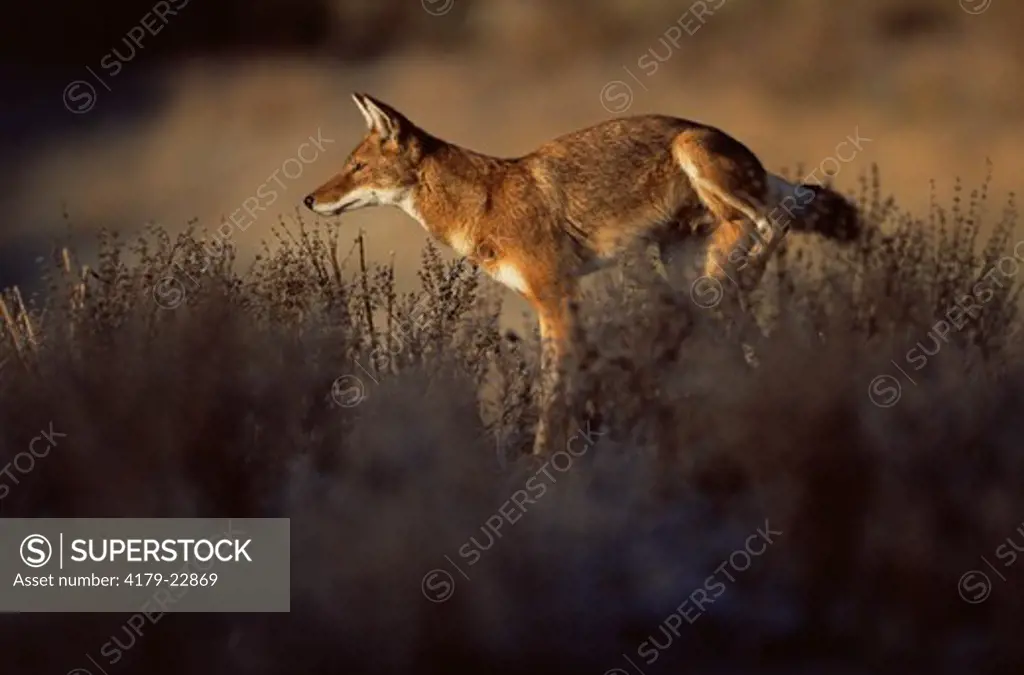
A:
[309,200]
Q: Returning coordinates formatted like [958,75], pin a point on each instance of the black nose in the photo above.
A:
[308,201]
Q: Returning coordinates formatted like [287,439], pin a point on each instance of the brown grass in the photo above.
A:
[229,405]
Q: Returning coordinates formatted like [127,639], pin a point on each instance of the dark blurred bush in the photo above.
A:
[185,389]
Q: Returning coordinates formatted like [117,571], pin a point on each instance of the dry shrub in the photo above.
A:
[384,425]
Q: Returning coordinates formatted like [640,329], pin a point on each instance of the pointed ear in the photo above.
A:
[359,101]
[387,121]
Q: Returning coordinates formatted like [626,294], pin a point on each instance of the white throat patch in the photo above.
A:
[407,202]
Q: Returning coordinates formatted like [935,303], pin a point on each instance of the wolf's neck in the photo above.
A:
[455,188]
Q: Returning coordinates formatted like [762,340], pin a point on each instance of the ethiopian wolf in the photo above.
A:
[538,222]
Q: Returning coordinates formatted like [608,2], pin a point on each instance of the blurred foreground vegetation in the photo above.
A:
[387,427]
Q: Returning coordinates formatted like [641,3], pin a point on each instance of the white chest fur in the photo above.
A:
[462,244]
[510,275]
[504,272]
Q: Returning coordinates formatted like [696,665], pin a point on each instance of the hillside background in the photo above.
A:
[225,91]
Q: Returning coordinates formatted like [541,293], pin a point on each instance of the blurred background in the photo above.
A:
[227,112]
[222,109]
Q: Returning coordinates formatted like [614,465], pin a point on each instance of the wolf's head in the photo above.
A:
[381,170]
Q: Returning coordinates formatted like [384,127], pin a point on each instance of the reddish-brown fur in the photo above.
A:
[541,221]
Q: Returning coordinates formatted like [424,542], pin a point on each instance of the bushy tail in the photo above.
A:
[830,214]
[817,208]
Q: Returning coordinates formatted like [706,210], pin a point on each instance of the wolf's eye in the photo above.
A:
[358,166]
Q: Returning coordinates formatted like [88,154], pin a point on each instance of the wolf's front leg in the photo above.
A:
[551,403]
[554,333]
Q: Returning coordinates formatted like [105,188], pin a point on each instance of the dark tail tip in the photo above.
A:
[831,215]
